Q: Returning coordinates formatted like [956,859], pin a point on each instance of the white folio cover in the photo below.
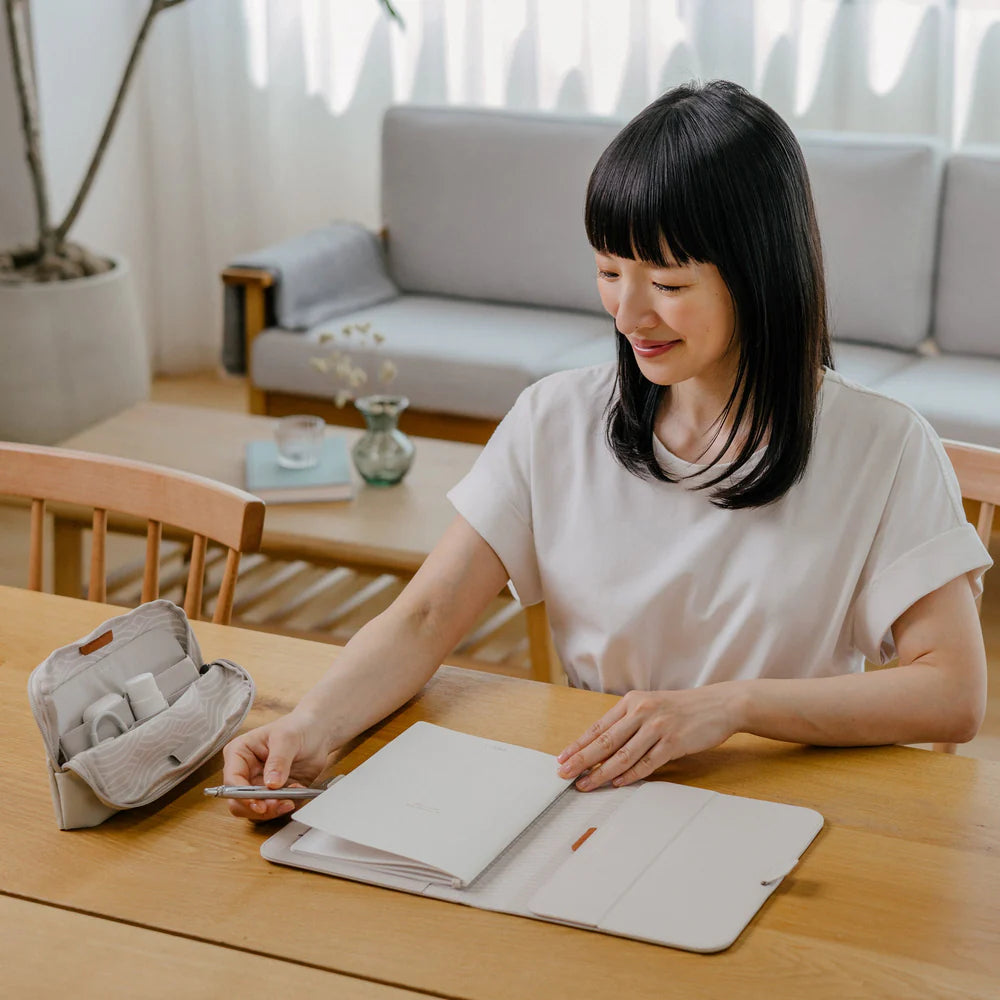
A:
[680,866]
[665,863]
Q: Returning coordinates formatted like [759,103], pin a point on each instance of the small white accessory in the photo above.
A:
[144,696]
[106,718]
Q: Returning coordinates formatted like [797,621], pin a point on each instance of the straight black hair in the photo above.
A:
[711,174]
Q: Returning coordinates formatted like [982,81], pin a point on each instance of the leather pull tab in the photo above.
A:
[95,644]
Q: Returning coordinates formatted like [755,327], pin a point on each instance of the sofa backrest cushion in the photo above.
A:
[488,204]
[967,314]
[877,205]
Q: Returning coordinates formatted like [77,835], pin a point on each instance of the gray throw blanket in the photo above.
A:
[321,274]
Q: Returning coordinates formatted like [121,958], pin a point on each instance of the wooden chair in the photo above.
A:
[978,471]
[207,509]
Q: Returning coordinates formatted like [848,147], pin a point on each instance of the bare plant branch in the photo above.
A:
[155,7]
[27,97]
[392,12]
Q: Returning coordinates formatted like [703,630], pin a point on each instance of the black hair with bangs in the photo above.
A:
[716,176]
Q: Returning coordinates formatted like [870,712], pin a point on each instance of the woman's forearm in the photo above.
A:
[392,657]
[383,665]
[914,703]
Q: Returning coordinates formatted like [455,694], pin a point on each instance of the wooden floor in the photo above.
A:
[268,589]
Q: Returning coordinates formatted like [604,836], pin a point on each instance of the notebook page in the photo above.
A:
[318,844]
[445,799]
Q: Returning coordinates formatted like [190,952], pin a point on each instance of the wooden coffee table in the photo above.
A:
[386,530]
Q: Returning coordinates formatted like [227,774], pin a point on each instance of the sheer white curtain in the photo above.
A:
[262,116]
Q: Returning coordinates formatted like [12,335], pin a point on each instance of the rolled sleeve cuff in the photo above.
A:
[504,529]
[914,575]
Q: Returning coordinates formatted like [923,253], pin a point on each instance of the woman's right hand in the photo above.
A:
[290,751]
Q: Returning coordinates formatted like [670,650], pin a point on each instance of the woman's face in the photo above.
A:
[680,321]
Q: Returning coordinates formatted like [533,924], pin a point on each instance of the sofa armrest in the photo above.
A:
[314,277]
[246,308]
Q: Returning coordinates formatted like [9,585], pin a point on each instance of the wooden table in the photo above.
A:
[385,530]
[49,951]
[391,529]
[899,896]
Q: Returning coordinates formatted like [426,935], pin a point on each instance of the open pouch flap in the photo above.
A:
[140,765]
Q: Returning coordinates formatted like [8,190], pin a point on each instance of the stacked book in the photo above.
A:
[330,479]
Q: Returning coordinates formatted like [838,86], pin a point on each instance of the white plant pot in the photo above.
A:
[71,353]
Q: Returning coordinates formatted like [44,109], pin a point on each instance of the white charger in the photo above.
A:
[144,696]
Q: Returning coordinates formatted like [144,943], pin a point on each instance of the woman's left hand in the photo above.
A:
[645,730]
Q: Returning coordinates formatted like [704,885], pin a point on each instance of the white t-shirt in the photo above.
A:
[649,586]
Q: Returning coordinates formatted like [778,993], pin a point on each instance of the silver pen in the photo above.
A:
[262,792]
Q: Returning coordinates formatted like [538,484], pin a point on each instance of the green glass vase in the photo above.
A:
[383,454]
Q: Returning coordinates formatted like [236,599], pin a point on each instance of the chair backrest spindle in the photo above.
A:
[985,524]
[151,574]
[192,603]
[227,592]
[97,589]
[36,544]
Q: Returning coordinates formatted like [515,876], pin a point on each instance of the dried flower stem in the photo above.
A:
[342,366]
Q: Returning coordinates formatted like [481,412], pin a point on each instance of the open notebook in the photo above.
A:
[488,824]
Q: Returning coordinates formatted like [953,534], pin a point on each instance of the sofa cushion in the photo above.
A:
[489,204]
[597,351]
[877,206]
[453,356]
[967,315]
[867,364]
[960,396]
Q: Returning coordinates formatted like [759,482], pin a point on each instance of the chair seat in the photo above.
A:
[453,355]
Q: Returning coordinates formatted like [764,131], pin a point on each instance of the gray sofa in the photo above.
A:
[483,280]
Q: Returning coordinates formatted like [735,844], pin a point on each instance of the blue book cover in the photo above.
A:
[330,479]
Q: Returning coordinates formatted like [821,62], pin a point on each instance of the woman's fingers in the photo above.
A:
[265,809]
[244,763]
[595,744]
[243,766]
[637,759]
[595,755]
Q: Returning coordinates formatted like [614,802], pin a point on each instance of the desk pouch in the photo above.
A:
[97,769]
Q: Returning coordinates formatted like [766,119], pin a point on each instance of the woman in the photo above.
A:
[722,528]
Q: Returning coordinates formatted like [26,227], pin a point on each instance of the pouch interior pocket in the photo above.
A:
[140,765]
[174,680]
[146,652]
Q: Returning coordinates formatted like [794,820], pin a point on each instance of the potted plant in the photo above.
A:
[72,346]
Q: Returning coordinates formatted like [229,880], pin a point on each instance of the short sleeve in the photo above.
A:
[495,498]
[923,541]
